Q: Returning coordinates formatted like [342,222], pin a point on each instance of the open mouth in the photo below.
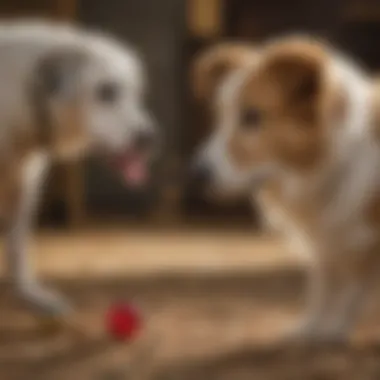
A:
[134,167]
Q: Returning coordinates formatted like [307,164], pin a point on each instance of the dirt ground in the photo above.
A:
[199,324]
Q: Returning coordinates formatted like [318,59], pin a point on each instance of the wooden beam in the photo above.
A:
[75,194]
[65,9]
[205,18]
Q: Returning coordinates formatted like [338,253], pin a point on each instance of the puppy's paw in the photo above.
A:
[311,334]
[302,332]
[336,335]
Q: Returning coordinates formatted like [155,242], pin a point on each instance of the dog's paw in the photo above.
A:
[301,332]
[44,302]
[332,335]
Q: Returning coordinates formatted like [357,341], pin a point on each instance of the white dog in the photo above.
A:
[64,92]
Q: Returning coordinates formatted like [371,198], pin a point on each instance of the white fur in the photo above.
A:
[33,172]
[354,146]
[21,269]
[34,168]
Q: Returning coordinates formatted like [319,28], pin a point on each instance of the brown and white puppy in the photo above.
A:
[299,126]
[64,92]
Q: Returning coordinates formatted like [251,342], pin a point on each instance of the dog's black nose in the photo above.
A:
[146,139]
[199,176]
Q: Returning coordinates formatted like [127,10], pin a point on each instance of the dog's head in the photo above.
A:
[92,97]
[281,114]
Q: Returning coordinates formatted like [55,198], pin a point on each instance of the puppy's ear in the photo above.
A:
[58,74]
[298,73]
[212,66]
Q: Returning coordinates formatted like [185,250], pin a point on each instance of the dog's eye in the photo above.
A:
[107,92]
[250,118]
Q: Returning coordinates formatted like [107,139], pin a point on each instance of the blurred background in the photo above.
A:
[168,33]
[207,278]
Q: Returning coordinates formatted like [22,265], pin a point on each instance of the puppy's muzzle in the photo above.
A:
[199,178]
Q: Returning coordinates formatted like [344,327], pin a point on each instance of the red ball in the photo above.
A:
[123,321]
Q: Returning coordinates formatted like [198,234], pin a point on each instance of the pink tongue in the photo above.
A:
[134,171]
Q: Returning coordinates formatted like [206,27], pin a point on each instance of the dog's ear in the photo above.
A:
[58,74]
[212,66]
[55,94]
[297,72]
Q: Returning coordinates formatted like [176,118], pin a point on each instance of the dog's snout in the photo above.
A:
[146,139]
[200,175]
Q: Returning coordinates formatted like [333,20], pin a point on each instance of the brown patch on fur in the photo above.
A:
[212,66]
[58,118]
[288,92]
[69,137]
[245,148]
[296,68]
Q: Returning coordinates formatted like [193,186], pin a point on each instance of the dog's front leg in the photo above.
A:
[355,290]
[321,288]
[19,226]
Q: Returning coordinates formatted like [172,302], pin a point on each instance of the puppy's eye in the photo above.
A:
[107,92]
[250,118]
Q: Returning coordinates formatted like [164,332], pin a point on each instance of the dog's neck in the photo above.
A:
[351,165]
